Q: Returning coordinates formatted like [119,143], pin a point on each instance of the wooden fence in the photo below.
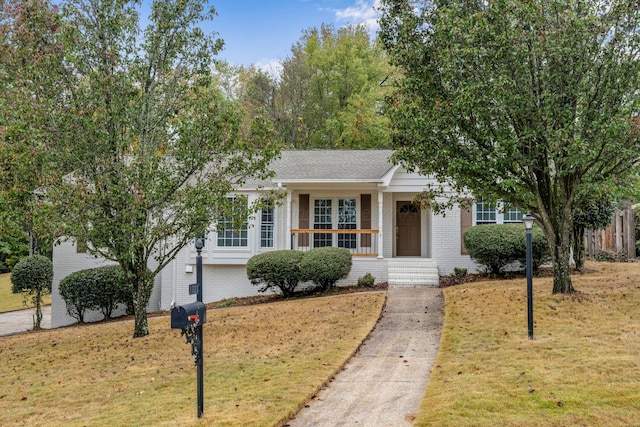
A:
[618,237]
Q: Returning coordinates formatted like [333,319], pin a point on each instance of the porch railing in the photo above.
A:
[360,242]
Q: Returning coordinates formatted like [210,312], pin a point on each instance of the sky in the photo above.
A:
[261,32]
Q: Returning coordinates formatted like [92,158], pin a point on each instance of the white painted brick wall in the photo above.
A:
[446,243]
[66,261]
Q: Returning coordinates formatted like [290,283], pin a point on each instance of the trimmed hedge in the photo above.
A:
[497,245]
[325,266]
[276,269]
[32,274]
[101,288]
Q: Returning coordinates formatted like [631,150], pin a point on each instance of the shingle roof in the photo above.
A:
[332,165]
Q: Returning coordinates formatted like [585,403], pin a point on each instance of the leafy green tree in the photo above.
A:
[32,107]
[527,102]
[32,276]
[329,94]
[594,215]
[156,149]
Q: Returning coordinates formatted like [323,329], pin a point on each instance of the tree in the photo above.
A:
[156,148]
[32,276]
[32,106]
[527,102]
[330,93]
[595,215]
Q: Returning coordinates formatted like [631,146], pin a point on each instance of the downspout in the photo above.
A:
[380,224]
[288,225]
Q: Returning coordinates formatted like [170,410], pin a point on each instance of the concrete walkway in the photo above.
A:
[383,384]
[13,322]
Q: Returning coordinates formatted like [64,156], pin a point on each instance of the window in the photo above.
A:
[488,213]
[266,227]
[324,216]
[513,215]
[347,221]
[228,235]
[485,212]
[322,220]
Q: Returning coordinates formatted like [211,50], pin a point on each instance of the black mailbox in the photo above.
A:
[185,316]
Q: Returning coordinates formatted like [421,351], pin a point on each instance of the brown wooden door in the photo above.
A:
[407,229]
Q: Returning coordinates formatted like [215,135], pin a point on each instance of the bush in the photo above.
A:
[366,281]
[276,269]
[325,266]
[611,256]
[497,245]
[32,276]
[101,288]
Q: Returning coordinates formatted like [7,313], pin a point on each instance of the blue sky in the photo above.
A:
[261,32]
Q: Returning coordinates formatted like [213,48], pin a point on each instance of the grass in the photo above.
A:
[10,301]
[582,368]
[262,363]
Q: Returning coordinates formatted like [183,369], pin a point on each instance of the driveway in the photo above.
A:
[13,322]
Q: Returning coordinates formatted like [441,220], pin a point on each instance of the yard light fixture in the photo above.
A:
[528,221]
[199,244]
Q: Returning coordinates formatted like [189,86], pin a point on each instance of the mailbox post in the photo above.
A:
[190,318]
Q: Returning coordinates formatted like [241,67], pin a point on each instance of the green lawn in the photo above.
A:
[10,301]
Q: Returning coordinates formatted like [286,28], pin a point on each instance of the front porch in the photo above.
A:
[363,245]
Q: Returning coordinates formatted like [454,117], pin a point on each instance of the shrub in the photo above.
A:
[276,269]
[32,276]
[101,288]
[611,256]
[366,281]
[459,272]
[325,266]
[497,245]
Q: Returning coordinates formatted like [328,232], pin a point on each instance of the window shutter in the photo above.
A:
[303,219]
[466,221]
[365,219]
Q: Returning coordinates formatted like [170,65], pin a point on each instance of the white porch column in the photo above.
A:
[288,225]
[380,224]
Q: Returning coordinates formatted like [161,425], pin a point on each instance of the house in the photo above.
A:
[355,199]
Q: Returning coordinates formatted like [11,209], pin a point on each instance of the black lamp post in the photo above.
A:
[199,244]
[528,220]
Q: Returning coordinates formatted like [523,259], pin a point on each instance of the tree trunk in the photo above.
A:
[142,291]
[561,253]
[37,320]
[578,247]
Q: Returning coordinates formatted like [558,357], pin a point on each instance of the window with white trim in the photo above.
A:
[513,215]
[266,227]
[347,220]
[485,212]
[488,213]
[228,235]
[345,216]
[322,220]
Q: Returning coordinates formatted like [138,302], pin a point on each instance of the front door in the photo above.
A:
[407,229]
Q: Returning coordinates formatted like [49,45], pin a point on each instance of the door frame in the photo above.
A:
[413,252]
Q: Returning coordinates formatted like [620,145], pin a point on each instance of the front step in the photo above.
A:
[412,272]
